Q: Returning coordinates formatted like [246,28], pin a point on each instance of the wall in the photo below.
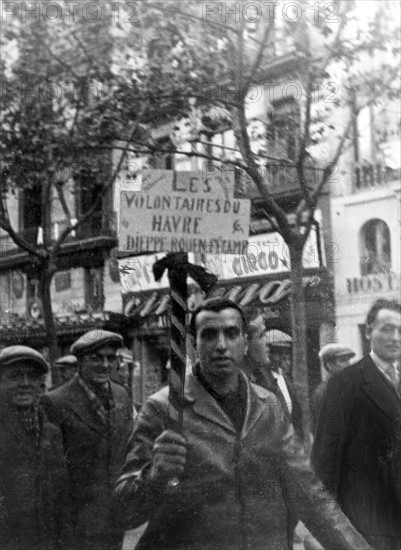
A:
[112,288]
[353,300]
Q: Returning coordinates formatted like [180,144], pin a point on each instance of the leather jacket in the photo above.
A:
[237,490]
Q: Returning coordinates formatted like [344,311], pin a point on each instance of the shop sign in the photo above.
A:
[264,254]
[371,284]
[184,211]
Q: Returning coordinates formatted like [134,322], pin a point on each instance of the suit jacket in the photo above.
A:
[94,452]
[316,403]
[236,487]
[34,490]
[355,449]
[265,378]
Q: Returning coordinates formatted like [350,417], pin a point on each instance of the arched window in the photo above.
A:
[374,247]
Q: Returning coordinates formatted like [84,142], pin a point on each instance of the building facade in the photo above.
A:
[85,290]
[366,224]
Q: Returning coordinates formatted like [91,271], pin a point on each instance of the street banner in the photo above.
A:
[184,212]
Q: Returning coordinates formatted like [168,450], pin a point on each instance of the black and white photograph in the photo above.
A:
[200,275]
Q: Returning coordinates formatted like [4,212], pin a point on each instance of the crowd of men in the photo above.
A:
[75,472]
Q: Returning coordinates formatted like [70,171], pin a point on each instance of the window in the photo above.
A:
[162,160]
[62,281]
[284,128]
[89,191]
[94,297]
[374,247]
[32,288]
[31,213]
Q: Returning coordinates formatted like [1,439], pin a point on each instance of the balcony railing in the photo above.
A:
[96,227]
[281,179]
[367,176]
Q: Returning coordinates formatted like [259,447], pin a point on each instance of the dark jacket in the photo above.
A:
[264,377]
[236,488]
[94,453]
[316,404]
[355,449]
[34,489]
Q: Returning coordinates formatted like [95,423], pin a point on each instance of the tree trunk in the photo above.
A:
[45,280]
[299,336]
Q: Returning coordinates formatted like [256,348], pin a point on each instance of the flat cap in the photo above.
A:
[95,339]
[17,354]
[66,361]
[279,338]
[125,354]
[331,351]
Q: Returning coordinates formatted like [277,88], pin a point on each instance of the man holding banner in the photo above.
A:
[227,481]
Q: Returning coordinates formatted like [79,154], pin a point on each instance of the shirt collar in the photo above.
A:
[387,368]
[276,372]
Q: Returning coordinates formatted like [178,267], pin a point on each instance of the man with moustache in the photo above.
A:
[95,418]
[34,486]
[226,482]
[358,433]
[267,373]
[333,357]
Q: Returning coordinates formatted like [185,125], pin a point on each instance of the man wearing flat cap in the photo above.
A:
[66,367]
[34,486]
[267,372]
[334,358]
[280,346]
[94,414]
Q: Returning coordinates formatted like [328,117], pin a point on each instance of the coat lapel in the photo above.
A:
[205,404]
[18,432]
[379,391]
[78,401]
[13,426]
[257,401]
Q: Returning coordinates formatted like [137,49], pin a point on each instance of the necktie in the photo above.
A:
[393,375]
[398,387]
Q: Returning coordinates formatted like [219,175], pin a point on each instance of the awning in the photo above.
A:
[17,330]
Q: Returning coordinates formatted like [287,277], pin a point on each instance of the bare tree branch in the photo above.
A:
[104,190]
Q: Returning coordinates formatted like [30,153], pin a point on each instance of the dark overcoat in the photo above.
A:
[95,452]
[34,491]
[355,449]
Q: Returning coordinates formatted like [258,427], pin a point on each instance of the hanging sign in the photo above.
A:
[184,212]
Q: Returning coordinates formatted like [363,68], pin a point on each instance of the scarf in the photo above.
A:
[30,418]
[96,403]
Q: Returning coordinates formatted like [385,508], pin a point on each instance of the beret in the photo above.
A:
[66,361]
[334,350]
[17,354]
[95,339]
[277,337]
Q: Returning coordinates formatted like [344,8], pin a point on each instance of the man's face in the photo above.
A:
[258,345]
[220,343]
[20,384]
[338,363]
[385,335]
[281,358]
[96,367]
[66,373]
